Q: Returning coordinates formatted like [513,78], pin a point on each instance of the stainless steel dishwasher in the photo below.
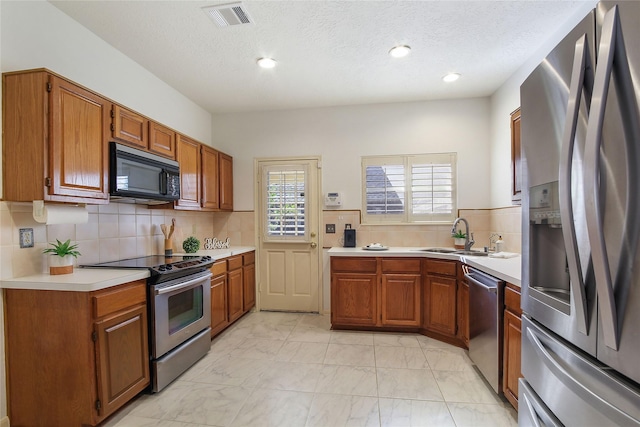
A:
[486,303]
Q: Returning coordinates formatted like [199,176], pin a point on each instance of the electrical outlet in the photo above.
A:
[26,237]
[347,226]
[330,228]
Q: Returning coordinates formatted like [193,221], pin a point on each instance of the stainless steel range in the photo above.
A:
[179,302]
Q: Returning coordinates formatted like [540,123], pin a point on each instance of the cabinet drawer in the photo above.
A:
[512,299]
[400,265]
[249,258]
[111,301]
[234,262]
[447,268]
[219,267]
[354,265]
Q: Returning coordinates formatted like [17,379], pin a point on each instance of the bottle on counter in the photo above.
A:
[499,244]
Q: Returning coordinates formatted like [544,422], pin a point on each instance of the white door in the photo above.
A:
[288,249]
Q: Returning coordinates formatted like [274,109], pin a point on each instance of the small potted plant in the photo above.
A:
[459,239]
[62,254]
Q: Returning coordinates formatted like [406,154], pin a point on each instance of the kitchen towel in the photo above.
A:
[504,255]
[59,214]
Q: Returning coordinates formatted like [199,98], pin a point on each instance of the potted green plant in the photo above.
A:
[62,254]
[459,239]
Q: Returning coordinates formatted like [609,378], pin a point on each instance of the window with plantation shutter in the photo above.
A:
[286,203]
[409,189]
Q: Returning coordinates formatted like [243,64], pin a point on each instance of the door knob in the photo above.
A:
[314,245]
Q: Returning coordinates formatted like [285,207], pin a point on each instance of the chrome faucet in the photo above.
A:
[467,243]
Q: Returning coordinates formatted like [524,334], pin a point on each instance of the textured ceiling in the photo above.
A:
[329,52]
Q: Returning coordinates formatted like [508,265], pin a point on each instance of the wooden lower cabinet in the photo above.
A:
[233,290]
[73,358]
[400,292]
[249,281]
[511,370]
[235,286]
[375,292]
[439,302]
[219,314]
[354,299]
[463,312]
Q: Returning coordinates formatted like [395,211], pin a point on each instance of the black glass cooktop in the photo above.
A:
[143,262]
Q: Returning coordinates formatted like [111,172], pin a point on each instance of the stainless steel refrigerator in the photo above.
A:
[581,226]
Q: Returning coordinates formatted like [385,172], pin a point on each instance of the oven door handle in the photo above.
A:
[183,285]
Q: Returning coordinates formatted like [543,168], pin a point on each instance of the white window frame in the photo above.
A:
[405,187]
[304,237]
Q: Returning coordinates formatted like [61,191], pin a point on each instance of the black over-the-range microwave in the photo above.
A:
[136,174]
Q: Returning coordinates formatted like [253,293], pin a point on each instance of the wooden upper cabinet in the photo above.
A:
[226,182]
[55,140]
[129,127]
[162,140]
[516,155]
[210,178]
[189,158]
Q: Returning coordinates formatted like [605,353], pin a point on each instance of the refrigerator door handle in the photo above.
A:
[611,59]
[556,363]
[581,78]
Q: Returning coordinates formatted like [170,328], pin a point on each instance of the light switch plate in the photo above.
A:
[26,237]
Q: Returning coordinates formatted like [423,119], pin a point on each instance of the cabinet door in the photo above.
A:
[354,299]
[162,140]
[400,299]
[79,136]
[249,296]
[189,159]
[219,315]
[122,355]
[512,353]
[440,304]
[226,182]
[463,312]
[129,127]
[210,178]
[235,284]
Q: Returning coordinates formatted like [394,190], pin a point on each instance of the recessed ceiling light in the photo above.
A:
[400,51]
[267,62]
[451,77]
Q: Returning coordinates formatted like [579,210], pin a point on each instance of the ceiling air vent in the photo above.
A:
[225,15]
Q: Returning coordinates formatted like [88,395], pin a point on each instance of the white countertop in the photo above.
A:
[507,269]
[81,280]
[94,279]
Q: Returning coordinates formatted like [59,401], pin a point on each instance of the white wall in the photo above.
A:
[506,99]
[341,135]
[36,34]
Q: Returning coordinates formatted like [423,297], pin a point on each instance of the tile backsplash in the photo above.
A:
[114,231]
[482,223]
[120,230]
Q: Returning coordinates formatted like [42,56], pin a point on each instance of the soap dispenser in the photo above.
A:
[499,244]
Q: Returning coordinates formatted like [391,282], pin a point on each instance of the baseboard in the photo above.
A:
[4,422]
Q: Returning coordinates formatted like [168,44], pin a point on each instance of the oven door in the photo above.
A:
[179,310]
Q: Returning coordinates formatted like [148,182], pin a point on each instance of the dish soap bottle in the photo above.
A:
[499,244]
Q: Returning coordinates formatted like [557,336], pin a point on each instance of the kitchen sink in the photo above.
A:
[438,250]
[470,253]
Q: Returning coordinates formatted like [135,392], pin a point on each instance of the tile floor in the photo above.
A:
[287,369]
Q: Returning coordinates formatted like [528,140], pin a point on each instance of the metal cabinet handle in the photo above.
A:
[581,78]
[491,289]
[612,59]
[184,285]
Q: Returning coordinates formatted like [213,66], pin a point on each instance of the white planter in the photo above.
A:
[60,264]
[459,242]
